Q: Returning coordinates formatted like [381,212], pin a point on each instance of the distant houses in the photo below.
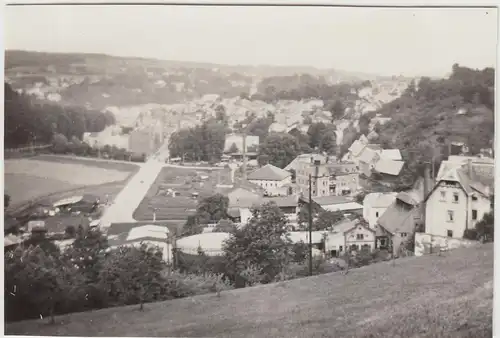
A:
[275,181]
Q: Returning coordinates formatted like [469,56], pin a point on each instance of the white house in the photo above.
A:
[460,197]
[273,180]
[375,204]
[349,235]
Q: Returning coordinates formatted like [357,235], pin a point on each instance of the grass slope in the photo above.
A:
[431,296]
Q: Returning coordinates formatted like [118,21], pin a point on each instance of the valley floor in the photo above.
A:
[430,296]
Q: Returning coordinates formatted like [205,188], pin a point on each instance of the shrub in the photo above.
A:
[180,285]
[470,234]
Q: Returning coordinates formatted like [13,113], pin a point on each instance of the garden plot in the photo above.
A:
[171,195]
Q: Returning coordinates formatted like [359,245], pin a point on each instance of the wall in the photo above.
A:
[245,215]
[368,238]
[346,182]
[436,222]
[424,243]
[371,215]
[482,205]
[274,188]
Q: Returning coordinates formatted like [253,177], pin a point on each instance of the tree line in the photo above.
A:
[29,120]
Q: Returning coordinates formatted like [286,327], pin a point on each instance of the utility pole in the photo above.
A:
[310,227]
[244,153]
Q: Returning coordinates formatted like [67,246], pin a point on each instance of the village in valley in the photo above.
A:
[170,186]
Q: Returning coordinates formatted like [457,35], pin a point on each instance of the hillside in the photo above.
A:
[430,296]
[99,81]
[433,113]
[28,120]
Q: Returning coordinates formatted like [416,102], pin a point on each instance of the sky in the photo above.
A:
[410,42]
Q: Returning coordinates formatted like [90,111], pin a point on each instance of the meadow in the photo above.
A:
[431,296]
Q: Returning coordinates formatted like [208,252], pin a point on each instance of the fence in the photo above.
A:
[426,244]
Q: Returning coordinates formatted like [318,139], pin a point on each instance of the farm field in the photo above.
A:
[430,296]
[185,182]
[26,179]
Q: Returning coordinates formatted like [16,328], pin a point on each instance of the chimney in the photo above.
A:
[316,168]
[469,167]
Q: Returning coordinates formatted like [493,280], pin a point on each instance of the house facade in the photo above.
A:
[344,178]
[349,235]
[320,178]
[460,198]
[273,180]
[375,204]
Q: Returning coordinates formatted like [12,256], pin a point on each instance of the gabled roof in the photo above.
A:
[399,217]
[480,177]
[356,148]
[360,224]
[344,226]
[305,158]
[270,173]
[379,200]
[389,167]
[368,155]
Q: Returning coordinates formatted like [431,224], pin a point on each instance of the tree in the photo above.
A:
[133,275]
[328,142]
[212,209]
[486,227]
[337,109]
[233,149]
[60,144]
[225,225]
[87,252]
[315,133]
[262,244]
[70,231]
[192,226]
[364,124]
[326,220]
[280,149]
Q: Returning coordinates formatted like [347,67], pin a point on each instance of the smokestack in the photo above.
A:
[427,180]
[244,156]
[469,167]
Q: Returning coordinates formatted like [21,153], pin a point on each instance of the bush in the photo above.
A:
[179,285]
[471,234]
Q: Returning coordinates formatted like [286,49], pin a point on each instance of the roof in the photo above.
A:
[233,212]
[343,206]
[69,200]
[344,226]
[11,240]
[329,200]
[368,155]
[391,154]
[283,202]
[269,172]
[398,218]
[207,241]
[379,200]
[153,231]
[373,146]
[389,167]
[309,158]
[356,148]
[480,178]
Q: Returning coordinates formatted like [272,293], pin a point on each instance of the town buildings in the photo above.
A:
[375,204]
[275,181]
[349,235]
[461,197]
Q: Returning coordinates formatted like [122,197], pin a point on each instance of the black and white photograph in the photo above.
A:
[231,170]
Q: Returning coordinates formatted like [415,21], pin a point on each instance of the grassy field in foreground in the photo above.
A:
[431,296]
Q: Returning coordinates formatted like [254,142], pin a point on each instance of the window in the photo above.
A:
[340,248]
[359,237]
[376,214]
[449,233]
[455,197]
[443,195]
[474,198]
[450,216]
[404,234]
[474,215]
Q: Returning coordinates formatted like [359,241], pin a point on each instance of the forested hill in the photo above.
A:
[30,120]
[432,113]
